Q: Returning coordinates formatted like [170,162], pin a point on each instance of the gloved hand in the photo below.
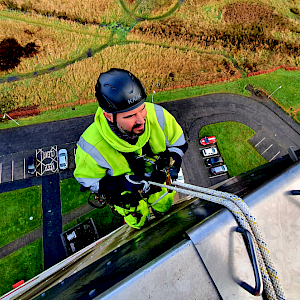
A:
[164,163]
[158,176]
[115,185]
[132,183]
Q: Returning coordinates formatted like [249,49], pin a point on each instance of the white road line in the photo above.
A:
[0,171]
[12,170]
[274,156]
[24,168]
[259,142]
[267,149]
[217,175]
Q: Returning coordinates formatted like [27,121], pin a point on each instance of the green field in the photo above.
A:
[22,264]
[17,209]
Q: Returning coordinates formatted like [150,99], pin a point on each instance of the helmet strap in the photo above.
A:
[114,118]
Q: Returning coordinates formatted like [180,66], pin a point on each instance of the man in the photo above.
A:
[129,143]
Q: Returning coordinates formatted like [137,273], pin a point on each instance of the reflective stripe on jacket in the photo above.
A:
[98,149]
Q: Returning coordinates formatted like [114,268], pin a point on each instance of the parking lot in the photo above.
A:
[214,179]
[14,166]
[266,146]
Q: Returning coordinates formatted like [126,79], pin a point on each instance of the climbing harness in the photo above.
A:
[246,220]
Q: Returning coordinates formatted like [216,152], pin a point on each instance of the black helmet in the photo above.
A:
[117,91]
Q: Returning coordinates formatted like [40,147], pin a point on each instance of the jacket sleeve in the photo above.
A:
[87,172]
[175,140]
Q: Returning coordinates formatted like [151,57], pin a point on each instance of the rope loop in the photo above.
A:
[246,220]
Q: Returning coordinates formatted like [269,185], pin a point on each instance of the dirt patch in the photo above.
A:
[11,53]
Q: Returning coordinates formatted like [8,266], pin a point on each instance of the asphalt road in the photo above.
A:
[260,115]
[193,113]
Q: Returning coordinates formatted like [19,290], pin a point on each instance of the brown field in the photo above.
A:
[92,11]
[154,64]
[199,41]
[52,45]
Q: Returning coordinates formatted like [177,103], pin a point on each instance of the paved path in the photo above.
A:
[52,221]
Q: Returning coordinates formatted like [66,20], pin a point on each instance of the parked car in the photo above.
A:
[218,170]
[210,151]
[208,140]
[180,176]
[213,161]
[63,159]
[31,165]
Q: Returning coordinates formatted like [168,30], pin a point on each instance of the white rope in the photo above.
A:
[246,220]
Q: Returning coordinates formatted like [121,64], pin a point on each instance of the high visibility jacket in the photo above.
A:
[99,149]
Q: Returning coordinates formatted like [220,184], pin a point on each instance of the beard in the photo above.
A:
[130,133]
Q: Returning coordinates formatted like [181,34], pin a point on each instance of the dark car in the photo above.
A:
[31,165]
[213,161]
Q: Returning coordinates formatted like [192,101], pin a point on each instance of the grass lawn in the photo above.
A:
[238,154]
[71,198]
[104,220]
[17,207]
[287,95]
[70,195]
[24,263]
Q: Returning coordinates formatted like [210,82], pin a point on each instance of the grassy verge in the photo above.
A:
[54,115]
[70,195]
[71,198]
[287,96]
[238,154]
[17,208]
[104,220]
[24,263]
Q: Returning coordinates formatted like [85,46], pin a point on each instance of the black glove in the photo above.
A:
[163,162]
[132,183]
[115,185]
[158,176]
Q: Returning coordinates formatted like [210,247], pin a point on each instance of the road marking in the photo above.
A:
[24,168]
[0,171]
[259,142]
[267,149]
[274,156]
[12,170]
[217,175]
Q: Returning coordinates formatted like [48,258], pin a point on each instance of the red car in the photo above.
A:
[208,140]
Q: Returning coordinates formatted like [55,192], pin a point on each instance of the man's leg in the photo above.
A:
[165,203]
[135,217]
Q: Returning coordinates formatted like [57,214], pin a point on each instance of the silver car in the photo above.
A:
[219,170]
[63,159]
